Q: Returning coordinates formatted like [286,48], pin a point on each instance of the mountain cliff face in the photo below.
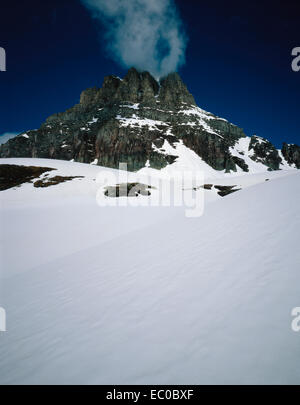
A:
[133,120]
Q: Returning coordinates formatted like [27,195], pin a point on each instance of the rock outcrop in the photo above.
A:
[291,153]
[264,152]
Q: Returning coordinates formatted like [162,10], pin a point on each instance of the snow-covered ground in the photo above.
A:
[132,295]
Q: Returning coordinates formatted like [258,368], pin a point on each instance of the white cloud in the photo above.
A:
[6,136]
[146,34]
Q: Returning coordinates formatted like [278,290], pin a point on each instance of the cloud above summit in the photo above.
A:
[146,34]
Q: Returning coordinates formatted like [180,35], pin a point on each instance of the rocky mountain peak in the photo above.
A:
[139,87]
[174,91]
[146,122]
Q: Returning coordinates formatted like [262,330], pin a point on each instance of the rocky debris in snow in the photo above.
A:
[225,190]
[207,186]
[15,175]
[222,190]
[127,190]
[53,181]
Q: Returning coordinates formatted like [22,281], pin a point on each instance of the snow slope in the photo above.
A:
[133,295]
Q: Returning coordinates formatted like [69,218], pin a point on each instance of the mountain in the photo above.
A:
[147,123]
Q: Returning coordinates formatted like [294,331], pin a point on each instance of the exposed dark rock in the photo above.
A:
[291,153]
[14,175]
[173,91]
[127,190]
[207,186]
[225,190]
[241,163]
[229,191]
[264,152]
[54,181]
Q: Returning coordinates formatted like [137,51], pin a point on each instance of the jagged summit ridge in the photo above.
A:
[138,88]
[136,120]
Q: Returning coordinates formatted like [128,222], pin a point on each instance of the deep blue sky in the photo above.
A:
[238,62]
